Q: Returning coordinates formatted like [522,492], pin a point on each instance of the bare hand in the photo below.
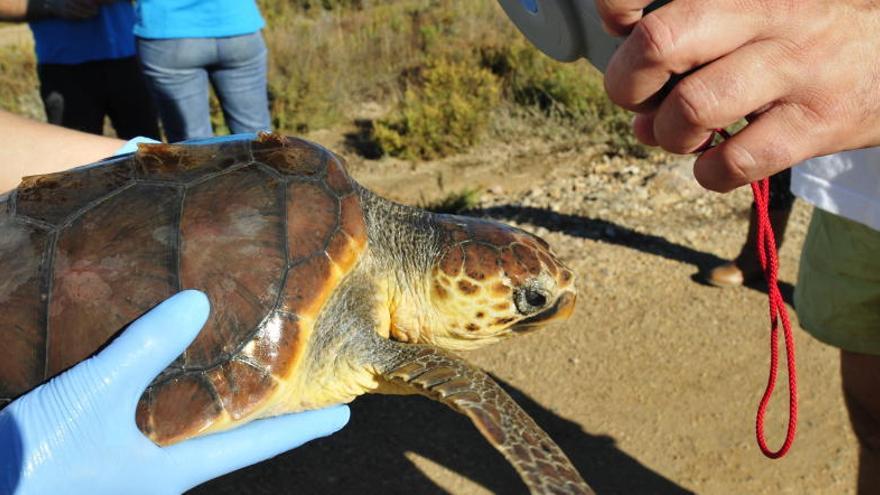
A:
[805,71]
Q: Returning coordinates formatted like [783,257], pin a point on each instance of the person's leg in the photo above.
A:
[128,101]
[861,390]
[240,82]
[837,299]
[175,73]
[70,97]
[746,267]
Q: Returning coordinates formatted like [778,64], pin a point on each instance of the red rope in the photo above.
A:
[767,255]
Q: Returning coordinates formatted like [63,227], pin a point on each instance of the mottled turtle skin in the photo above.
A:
[320,290]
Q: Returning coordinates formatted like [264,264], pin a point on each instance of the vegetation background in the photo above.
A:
[443,73]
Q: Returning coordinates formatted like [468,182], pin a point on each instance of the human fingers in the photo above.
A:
[153,341]
[619,16]
[643,128]
[773,141]
[224,452]
[718,95]
[674,39]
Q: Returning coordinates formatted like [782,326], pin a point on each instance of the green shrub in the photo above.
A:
[324,64]
[532,79]
[572,91]
[455,202]
[444,109]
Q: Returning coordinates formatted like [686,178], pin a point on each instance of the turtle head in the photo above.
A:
[491,281]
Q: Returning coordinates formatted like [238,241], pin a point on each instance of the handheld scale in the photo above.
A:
[567,30]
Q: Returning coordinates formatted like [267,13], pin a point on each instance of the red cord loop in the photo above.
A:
[767,255]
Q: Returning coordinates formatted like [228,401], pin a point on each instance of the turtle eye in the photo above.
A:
[529,300]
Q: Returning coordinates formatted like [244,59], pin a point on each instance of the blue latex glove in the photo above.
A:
[76,433]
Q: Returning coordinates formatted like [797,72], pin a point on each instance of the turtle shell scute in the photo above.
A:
[337,178]
[52,198]
[187,405]
[308,286]
[289,156]
[352,221]
[279,342]
[312,217]
[240,386]
[181,163]
[22,353]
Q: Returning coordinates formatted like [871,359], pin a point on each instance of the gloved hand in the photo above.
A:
[77,434]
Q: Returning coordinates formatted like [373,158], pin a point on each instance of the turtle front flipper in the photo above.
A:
[539,461]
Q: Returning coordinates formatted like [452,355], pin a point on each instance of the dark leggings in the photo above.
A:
[79,96]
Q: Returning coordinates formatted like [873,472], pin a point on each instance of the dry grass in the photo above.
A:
[18,80]
[324,63]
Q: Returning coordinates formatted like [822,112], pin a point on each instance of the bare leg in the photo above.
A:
[543,466]
[861,383]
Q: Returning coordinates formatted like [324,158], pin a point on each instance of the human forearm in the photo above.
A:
[13,10]
[37,148]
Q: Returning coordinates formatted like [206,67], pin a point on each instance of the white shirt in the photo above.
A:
[846,184]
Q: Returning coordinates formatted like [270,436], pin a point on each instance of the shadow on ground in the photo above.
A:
[362,141]
[602,230]
[368,456]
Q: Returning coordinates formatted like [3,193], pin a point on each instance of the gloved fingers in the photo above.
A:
[153,341]
[131,145]
[225,452]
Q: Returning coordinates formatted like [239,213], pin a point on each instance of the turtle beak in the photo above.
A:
[561,309]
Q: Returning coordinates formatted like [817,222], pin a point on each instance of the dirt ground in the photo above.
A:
[652,385]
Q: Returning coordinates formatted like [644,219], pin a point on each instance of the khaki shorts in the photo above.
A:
[837,297]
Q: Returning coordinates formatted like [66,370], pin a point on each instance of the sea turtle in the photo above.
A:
[320,290]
